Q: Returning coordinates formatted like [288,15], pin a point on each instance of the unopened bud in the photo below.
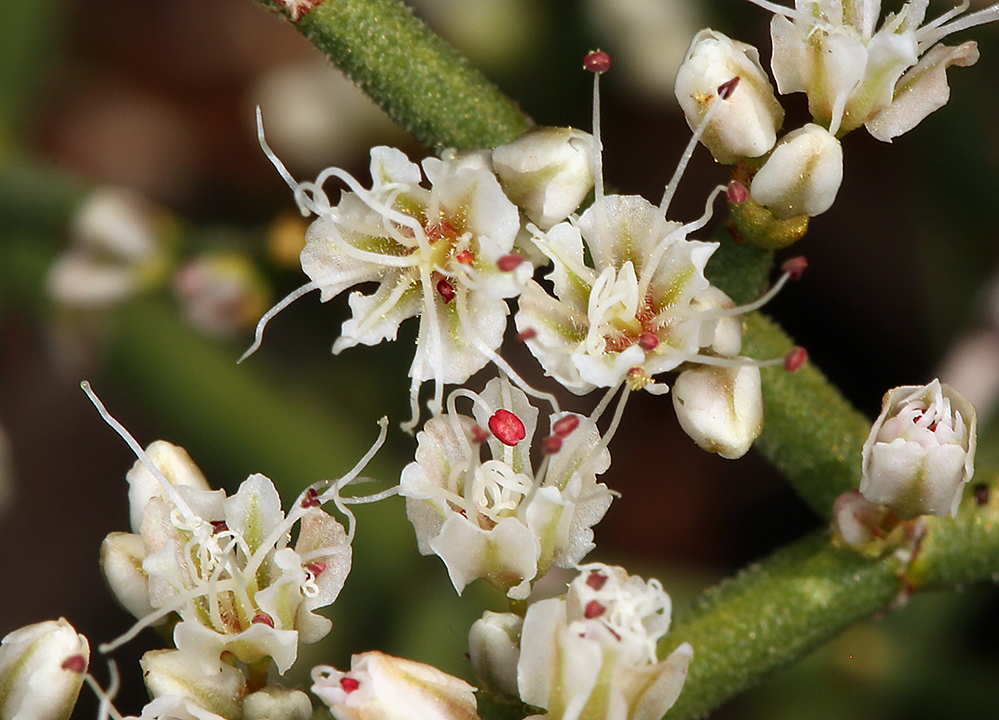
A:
[745,124]
[494,647]
[802,175]
[921,451]
[175,674]
[275,702]
[122,555]
[40,671]
[721,408]
[547,172]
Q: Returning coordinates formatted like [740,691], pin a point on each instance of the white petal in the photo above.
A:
[377,317]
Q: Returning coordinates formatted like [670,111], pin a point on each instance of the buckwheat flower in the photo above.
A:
[746,125]
[42,668]
[382,687]
[921,451]
[217,688]
[592,654]
[227,565]
[852,70]
[547,172]
[497,518]
[443,253]
[802,175]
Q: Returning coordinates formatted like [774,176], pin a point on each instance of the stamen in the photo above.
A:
[526,334]
[795,267]
[507,427]
[726,89]
[648,341]
[106,708]
[597,62]
[278,165]
[479,435]
[258,333]
[551,444]
[316,568]
[593,609]
[349,684]
[736,193]
[311,498]
[795,358]
[465,257]
[262,619]
[509,262]
[563,427]
[445,290]
[596,580]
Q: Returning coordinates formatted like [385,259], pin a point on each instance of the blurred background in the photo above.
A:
[135,122]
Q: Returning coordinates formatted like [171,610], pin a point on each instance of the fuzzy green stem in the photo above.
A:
[785,606]
[414,75]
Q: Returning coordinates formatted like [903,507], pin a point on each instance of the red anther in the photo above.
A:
[75,663]
[349,684]
[440,230]
[507,427]
[262,619]
[446,290]
[219,526]
[552,444]
[509,262]
[596,61]
[526,334]
[794,267]
[726,89]
[593,609]
[465,257]
[311,498]
[981,494]
[316,568]
[596,580]
[648,341]
[736,193]
[478,434]
[563,427]
[795,358]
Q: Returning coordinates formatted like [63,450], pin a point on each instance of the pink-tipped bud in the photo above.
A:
[648,341]
[75,663]
[479,435]
[737,193]
[552,444]
[509,262]
[564,426]
[446,290]
[726,89]
[526,334]
[507,427]
[795,267]
[795,358]
[597,62]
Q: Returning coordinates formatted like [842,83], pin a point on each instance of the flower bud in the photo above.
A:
[275,702]
[802,175]
[547,172]
[175,464]
[382,687]
[921,451]
[494,648]
[721,408]
[744,124]
[172,673]
[41,671]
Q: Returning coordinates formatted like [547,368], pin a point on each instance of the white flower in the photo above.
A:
[382,687]
[851,72]
[802,175]
[746,125]
[921,451]
[547,172]
[445,254]
[497,519]
[225,565]
[721,408]
[635,313]
[592,655]
[42,667]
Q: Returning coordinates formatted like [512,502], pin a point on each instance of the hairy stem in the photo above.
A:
[414,75]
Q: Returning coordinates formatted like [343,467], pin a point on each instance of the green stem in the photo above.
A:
[780,609]
[414,75]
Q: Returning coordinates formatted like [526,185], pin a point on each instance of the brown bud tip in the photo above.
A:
[526,334]
[736,193]
[563,427]
[76,664]
[507,427]
[597,62]
[509,262]
[552,444]
[795,267]
[726,89]
[795,358]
